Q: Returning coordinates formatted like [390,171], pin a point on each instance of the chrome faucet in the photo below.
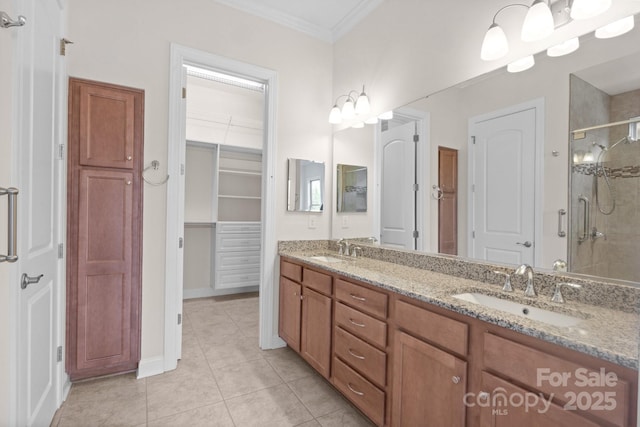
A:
[356,251]
[557,295]
[343,247]
[520,271]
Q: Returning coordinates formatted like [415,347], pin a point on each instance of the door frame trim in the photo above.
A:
[537,105]
[176,145]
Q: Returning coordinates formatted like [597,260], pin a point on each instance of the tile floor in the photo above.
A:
[223,379]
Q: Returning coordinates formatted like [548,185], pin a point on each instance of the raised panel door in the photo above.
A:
[290,312]
[316,330]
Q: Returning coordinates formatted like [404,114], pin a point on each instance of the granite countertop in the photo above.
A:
[605,333]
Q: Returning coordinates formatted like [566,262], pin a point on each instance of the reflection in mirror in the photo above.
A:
[548,83]
[352,188]
[305,186]
[604,228]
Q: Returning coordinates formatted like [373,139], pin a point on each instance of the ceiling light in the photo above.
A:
[565,48]
[494,45]
[371,120]
[538,23]
[388,115]
[355,106]
[335,116]
[521,64]
[585,9]
[362,104]
[616,28]
[348,109]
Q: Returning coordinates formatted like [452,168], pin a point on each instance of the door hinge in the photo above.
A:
[60,250]
[61,151]
[416,187]
[184,93]
[59,354]
[180,242]
[179,318]
[416,138]
[182,169]
[473,234]
[473,140]
[63,46]
[416,234]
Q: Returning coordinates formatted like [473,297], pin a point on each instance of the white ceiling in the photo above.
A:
[625,70]
[326,20]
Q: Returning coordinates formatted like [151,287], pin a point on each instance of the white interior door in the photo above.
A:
[503,187]
[38,209]
[397,203]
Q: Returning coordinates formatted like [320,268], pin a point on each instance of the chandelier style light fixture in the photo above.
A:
[539,23]
[355,106]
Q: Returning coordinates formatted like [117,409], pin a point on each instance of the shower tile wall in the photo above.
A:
[616,255]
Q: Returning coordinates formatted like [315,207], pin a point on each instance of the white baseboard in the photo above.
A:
[149,367]
[275,342]
[209,292]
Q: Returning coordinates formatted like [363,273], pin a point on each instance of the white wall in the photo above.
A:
[128,43]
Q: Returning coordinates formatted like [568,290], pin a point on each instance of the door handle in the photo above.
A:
[526,244]
[26,280]
[12,236]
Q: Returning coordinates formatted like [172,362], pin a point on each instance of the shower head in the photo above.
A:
[602,147]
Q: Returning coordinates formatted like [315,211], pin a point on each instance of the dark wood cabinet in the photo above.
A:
[104,228]
[290,311]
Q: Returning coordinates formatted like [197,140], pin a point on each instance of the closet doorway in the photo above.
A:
[220,207]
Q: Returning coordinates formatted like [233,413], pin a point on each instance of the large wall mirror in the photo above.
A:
[540,98]
[305,186]
[352,188]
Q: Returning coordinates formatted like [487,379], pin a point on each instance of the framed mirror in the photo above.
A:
[305,185]
[352,188]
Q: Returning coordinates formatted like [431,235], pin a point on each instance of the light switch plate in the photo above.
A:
[345,222]
[313,222]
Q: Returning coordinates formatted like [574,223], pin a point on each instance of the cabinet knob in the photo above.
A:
[129,158]
[455,379]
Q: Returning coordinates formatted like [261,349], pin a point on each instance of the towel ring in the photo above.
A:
[155,165]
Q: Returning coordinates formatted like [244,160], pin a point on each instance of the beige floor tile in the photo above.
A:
[126,411]
[246,377]
[345,418]
[288,364]
[107,389]
[312,423]
[215,415]
[223,351]
[318,396]
[272,407]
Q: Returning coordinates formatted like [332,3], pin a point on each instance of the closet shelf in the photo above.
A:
[225,196]
[240,172]
[199,224]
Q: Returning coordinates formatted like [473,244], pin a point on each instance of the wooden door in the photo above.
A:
[290,312]
[315,346]
[428,385]
[448,201]
[104,223]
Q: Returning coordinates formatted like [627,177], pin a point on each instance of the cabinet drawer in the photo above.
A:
[534,368]
[440,330]
[237,278]
[364,299]
[318,281]
[361,325]
[364,358]
[237,242]
[361,392]
[238,227]
[292,271]
[238,260]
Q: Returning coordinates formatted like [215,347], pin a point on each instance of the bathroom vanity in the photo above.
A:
[390,331]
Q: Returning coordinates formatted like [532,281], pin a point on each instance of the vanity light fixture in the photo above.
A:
[521,64]
[585,9]
[538,23]
[355,105]
[388,115]
[565,48]
[358,125]
[616,28]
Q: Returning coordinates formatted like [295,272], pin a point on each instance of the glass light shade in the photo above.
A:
[585,9]
[538,23]
[521,64]
[348,110]
[588,157]
[371,120]
[358,125]
[494,45]
[335,116]
[388,115]
[616,28]
[362,104]
[565,48]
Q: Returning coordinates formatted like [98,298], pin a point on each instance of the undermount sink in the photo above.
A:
[325,258]
[524,310]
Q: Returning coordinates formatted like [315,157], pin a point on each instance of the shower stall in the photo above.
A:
[604,227]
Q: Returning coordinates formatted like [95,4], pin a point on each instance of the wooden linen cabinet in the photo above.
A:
[104,228]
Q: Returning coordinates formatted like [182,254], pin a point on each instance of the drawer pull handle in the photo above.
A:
[455,379]
[356,297]
[356,355]
[360,325]
[359,393]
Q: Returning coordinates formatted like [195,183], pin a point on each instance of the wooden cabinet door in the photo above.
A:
[290,311]
[428,385]
[316,330]
[448,202]
[107,128]
[104,322]
[506,405]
